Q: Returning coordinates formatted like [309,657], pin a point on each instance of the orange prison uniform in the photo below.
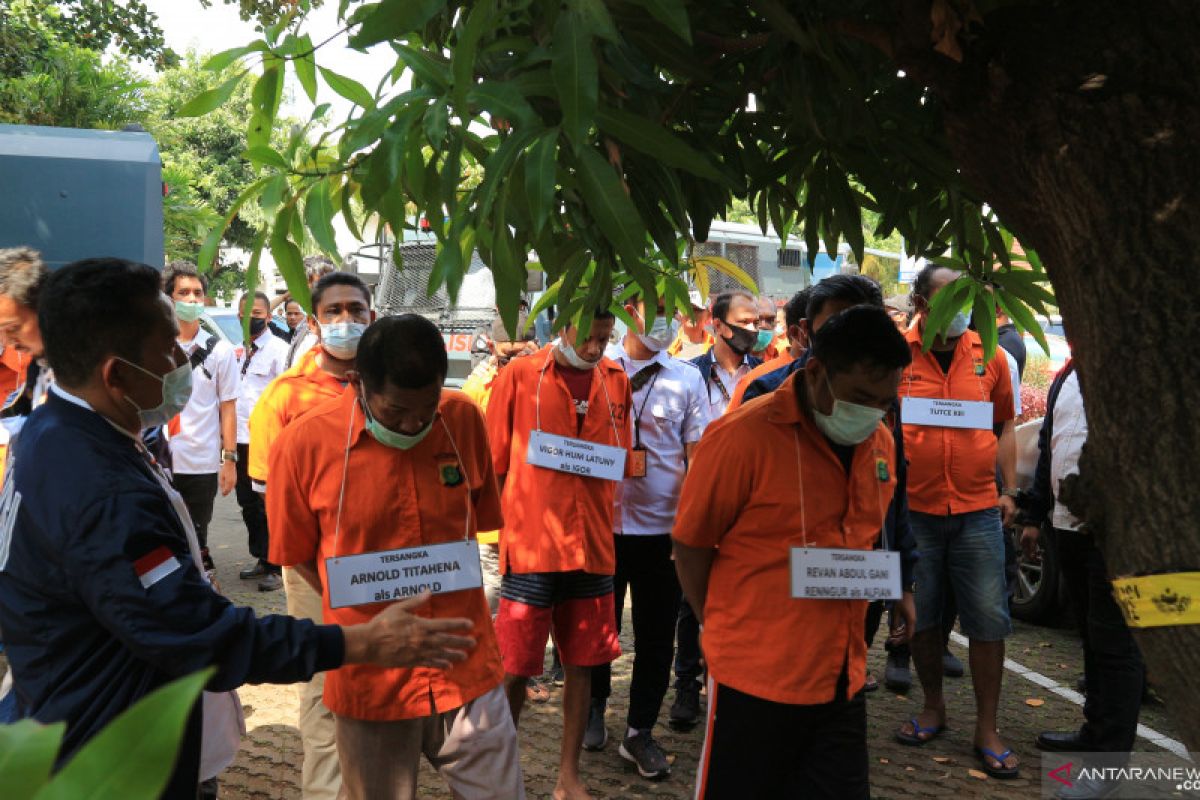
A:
[953,470]
[296,391]
[750,377]
[555,521]
[393,499]
[675,347]
[13,366]
[742,496]
[478,387]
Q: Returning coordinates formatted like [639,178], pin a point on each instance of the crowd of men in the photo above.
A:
[760,484]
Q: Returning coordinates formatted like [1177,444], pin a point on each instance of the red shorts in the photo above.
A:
[584,628]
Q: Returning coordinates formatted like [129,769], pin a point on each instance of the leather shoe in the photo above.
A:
[256,571]
[1063,742]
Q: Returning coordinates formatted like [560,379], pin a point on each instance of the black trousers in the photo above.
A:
[644,566]
[687,647]
[254,510]
[755,748]
[199,494]
[1112,662]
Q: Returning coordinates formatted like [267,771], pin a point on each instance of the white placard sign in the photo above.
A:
[396,574]
[940,413]
[827,574]
[576,456]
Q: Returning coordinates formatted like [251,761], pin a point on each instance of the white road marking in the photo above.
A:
[1049,684]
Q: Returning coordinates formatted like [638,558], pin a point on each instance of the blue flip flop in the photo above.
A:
[914,739]
[1002,772]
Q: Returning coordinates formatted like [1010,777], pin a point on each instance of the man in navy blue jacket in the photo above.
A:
[100,599]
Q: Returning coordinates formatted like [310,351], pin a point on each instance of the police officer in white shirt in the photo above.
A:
[670,412]
[203,437]
[262,361]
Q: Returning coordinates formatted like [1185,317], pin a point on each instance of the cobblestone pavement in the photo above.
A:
[268,765]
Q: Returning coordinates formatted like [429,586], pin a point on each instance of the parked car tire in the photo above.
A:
[1036,596]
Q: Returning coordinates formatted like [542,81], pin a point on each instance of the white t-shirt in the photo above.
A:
[718,400]
[673,414]
[196,449]
[258,370]
[1066,444]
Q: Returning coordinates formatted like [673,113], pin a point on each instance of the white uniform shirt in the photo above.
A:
[196,449]
[1014,376]
[673,413]
[1066,443]
[718,401]
[258,369]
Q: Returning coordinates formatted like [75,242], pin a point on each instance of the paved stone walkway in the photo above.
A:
[268,766]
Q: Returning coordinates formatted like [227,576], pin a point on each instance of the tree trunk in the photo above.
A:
[1079,123]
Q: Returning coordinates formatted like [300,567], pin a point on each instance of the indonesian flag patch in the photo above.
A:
[155,565]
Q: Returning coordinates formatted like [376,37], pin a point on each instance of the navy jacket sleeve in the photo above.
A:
[179,623]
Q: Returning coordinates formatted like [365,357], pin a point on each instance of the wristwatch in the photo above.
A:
[228,455]
[1013,493]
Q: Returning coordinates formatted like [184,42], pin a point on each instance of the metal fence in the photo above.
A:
[403,288]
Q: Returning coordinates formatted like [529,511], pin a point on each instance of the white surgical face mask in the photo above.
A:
[958,326]
[660,335]
[850,423]
[340,339]
[176,391]
[574,359]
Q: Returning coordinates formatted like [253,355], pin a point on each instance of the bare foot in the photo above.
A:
[990,740]
[931,720]
[571,789]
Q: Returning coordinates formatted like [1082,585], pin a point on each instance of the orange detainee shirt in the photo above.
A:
[393,499]
[555,521]
[293,393]
[13,366]
[739,391]
[763,480]
[953,470]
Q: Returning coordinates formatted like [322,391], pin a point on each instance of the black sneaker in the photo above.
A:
[257,571]
[897,676]
[951,666]
[646,755]
[685,711]
[595,736]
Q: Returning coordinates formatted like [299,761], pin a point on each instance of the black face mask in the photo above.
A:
[742,341]
[257,326]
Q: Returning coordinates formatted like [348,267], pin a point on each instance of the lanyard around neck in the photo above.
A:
[603,385]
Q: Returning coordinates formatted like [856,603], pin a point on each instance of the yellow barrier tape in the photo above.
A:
[1155,601]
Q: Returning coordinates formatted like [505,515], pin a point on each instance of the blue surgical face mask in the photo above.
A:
[176,391]
[389,437]
[958,326]
[340,339]
[574,359]
[188,312]
[850,423]
[765,337]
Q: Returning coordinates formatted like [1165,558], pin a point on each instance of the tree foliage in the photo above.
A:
[611,129]
[94,25]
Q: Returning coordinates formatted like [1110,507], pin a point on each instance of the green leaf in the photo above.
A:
[541,178]
[348,88]
[348,214]
[252,276]
[318,211]
[985,323]
[306,73]
[1019,313]
[502,101]
[27,753]
[133,756]
[208,251]
[497,167]
[595,16]
[575,76]
[462,57]
[611,207]
[849,212]
[437,120]
[210,100]
[392,19]
[670,13]
[288,259]
[948,300]
[266,155]
[656,142]
[431,70]
[221,60]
